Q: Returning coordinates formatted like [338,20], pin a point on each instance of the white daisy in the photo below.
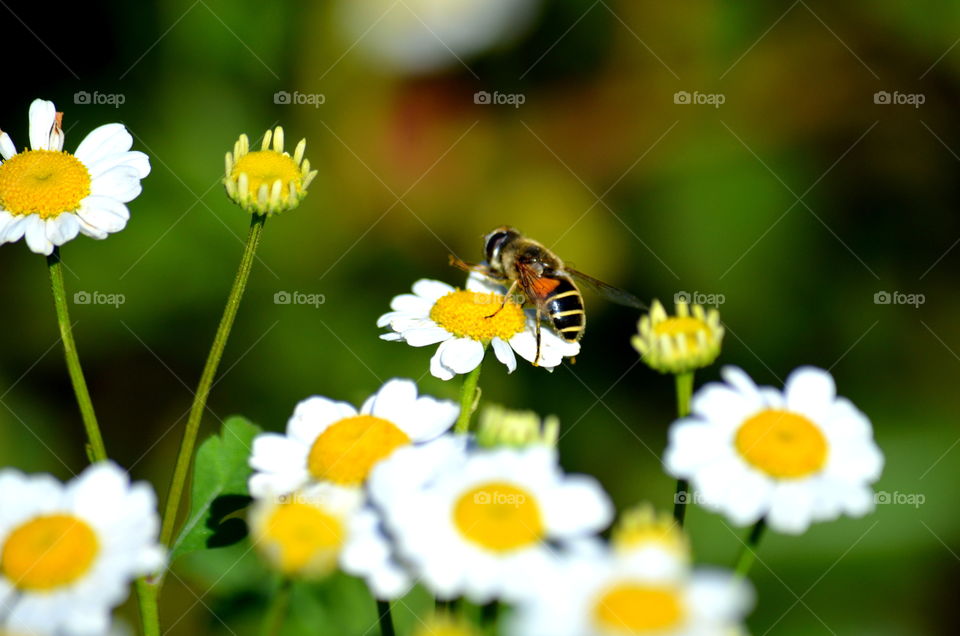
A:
[480,527]
[333,442]
[69,551]
[49,196]
[792,457]
[604,595]
[370,555]
[461,322]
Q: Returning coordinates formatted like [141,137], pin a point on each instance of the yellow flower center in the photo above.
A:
[499,517]
[44,182]
[686,326]
[48,552]
[782,444]
[478,316]
[633,608]
[347,451]
[303,536]
[265,167]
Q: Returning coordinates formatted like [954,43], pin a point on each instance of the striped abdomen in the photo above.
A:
[564,305]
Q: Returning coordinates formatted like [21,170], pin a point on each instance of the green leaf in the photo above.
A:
[220,474]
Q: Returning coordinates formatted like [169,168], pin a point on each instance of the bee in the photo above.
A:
[543,279]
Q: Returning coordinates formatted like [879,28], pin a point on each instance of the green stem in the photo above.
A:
[149,611]
[681,495]
[748,554]
[277,612]
[385,618]
[468,399]
[684,393]
[185,456]
[489,616]
[95,450]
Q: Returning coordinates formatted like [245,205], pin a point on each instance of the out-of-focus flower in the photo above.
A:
[464,322]
[48,196]
[269,180]
[655,541]
[481,527]
[425,35]
[503,427]
[68,552]
[678,344]
[792,457]
[605,595]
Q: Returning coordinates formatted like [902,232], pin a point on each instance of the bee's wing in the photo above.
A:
[611,293]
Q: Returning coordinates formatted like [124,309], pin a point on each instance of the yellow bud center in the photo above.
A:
[782,444]
[633,608]
[499,517]
[347,451]
[265,167]
[478,316]
[303,536]
[44,182]
[48,552]
[686,326]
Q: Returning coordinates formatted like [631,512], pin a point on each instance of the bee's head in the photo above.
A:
[494,241]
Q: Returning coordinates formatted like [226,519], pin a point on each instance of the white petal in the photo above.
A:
[462,355]
[63,228]
[412,304]
[431,290]
[437,368]
[504,353]
[121,183]
[425,336]
[578,507]
[792,507]
[133,159]
[42,117]
[693,444]
[810,391]
[394,398]
[106,140]
[7,149]
[36,235]
[314,415]
[104,213]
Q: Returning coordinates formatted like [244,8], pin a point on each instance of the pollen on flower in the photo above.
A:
[48,552]
[782,444]
[301,537]
[445,625]
[43,182]
[347,451]
[478,316]
[635,608]
[499,516]
[265,167]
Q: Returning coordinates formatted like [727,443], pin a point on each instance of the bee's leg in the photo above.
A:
[506,297]
[536,358]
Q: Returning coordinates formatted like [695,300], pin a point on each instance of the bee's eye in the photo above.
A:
[494,242]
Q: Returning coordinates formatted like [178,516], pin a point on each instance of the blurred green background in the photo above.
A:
[600,163]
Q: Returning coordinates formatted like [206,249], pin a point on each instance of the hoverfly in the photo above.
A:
[545,282]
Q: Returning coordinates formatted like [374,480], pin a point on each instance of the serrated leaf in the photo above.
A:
[220,474]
